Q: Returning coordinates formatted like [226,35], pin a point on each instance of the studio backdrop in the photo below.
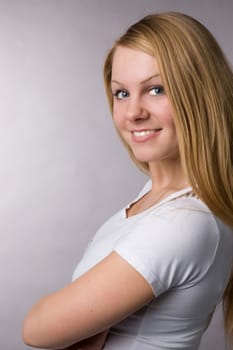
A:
[63,170]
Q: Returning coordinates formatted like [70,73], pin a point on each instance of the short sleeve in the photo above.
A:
[173,246]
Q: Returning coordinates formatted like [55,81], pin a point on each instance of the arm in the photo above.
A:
[103,296]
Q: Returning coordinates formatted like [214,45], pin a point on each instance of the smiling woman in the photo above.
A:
[142,112]
[154,272]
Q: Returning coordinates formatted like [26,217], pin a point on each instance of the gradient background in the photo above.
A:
[63,170]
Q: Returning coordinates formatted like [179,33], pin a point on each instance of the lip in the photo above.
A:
[143,135]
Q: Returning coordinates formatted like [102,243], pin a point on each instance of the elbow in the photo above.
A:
[43,337]
[28,335]
[35,328]
[31,334]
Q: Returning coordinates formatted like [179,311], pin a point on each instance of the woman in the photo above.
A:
[154,273]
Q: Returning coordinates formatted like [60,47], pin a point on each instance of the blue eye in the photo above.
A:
[156,90]
[121,94]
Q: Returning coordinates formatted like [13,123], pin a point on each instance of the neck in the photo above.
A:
[168,175]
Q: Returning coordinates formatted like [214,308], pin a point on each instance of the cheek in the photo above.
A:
[167,118]
[172,125]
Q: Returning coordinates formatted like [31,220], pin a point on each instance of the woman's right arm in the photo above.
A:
[106,294]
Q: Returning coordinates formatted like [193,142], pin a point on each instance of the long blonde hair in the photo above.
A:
[199,84]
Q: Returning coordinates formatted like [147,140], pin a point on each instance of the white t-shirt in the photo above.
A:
[186,255]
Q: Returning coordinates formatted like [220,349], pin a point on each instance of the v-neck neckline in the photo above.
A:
[145,190]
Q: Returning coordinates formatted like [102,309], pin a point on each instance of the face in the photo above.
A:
[141,110]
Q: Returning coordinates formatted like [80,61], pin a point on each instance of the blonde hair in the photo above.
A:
[199,84]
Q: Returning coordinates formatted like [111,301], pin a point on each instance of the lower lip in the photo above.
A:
[146,137]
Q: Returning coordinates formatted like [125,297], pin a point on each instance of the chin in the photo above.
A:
[147,156]
[154,159]
[144,159]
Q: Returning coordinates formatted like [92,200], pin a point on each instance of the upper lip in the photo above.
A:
[145,129]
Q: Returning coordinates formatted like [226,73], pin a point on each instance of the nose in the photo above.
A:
[135,110]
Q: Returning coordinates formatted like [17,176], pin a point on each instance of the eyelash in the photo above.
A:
[122,91]
[116,94]
[157,87]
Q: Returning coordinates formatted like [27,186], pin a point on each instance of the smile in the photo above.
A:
[143,133]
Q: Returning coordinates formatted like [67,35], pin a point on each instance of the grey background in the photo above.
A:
[63,170]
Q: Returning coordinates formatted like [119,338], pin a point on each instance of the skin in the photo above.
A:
[89,306]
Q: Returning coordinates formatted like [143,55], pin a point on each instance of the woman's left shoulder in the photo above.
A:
[186,210]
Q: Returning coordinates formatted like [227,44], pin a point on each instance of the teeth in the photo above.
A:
[144,132]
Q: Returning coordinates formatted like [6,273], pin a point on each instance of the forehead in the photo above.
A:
[131,64]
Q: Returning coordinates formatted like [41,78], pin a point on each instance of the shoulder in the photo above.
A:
[181,217]
[173,244]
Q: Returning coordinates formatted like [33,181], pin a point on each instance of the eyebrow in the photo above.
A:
[142,82]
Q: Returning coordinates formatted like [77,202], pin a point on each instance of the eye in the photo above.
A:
[121,94]
[156,90]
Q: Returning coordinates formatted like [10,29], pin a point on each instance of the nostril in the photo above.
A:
[142,117]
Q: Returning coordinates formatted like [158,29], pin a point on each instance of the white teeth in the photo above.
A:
[143,132]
